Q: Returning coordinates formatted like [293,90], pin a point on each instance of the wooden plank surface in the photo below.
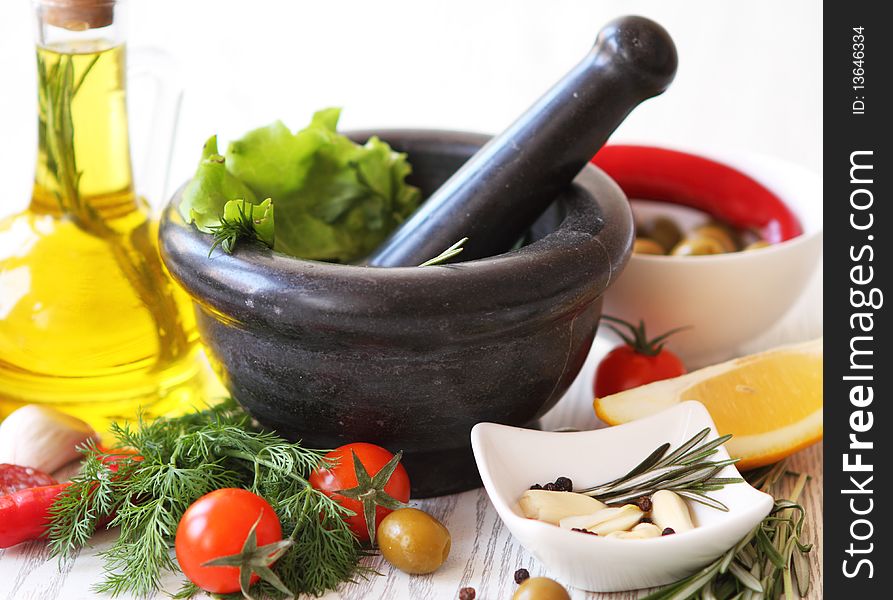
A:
[483,556]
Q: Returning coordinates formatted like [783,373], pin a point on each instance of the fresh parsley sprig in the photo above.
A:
[177,461]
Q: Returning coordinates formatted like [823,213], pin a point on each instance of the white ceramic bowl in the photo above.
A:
[727,299]
[510,459]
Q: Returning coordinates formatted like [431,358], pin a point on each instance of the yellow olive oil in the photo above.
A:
[90,322]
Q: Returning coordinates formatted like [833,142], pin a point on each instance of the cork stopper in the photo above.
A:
[79,15]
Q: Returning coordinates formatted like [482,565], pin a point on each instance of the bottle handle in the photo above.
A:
[155,97]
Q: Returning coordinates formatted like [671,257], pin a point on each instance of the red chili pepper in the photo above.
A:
[649,173]
[112,456]
[25,514]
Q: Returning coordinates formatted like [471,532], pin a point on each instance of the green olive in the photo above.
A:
[698,246]
[643,245]
[413,541]
[727,238]
[666,232]
[757,245]
[541,588]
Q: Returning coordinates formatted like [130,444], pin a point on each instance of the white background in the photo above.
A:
[749,72]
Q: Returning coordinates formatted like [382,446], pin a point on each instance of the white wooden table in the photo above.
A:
[483,555]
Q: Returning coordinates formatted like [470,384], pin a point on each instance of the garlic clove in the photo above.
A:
[607,520]
[642,531]
[628,516]
[646,530]
[42,437]
[670,510]
[587,521]
[551,507]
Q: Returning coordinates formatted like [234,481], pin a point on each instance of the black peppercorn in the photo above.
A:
[646,520]
[521,575]
[564,484]
[536,486]
[550,487]
[668,531]
[467,593]
[644,503]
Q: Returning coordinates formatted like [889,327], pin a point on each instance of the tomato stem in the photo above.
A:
[255,559]
[370,490]
[637,339]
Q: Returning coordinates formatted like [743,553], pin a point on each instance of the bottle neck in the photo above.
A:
[83,160]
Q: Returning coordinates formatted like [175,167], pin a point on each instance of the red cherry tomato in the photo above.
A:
[624,368]
[342,476]
[637,362]
[217,525]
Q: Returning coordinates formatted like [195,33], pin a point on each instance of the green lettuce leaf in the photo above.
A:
[335,200]
[271,160]
[210,189]
[352,199]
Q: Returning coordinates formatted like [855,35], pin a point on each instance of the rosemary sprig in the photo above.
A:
[446,254]
[767,563]
[184,458]
[135,253]
[686,471]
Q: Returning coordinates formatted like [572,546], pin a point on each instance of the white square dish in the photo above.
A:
[510,459]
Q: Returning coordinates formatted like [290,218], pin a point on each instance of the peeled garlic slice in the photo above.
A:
[647,529]
[641,531]
[551,507]
[670,510]
[606,520]
[42,437]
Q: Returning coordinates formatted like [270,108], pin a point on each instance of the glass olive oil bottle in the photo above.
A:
[89,320]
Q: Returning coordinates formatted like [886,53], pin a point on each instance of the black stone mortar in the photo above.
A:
[409,358]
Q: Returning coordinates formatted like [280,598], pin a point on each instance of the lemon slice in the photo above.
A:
[770,402]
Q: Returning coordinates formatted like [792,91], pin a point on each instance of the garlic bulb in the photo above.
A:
[42,437]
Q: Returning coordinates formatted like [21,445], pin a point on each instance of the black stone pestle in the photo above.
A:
[495,197]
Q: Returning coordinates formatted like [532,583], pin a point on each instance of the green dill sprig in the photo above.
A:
[242,227]
[686,471]
[179,460]
[767,563]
